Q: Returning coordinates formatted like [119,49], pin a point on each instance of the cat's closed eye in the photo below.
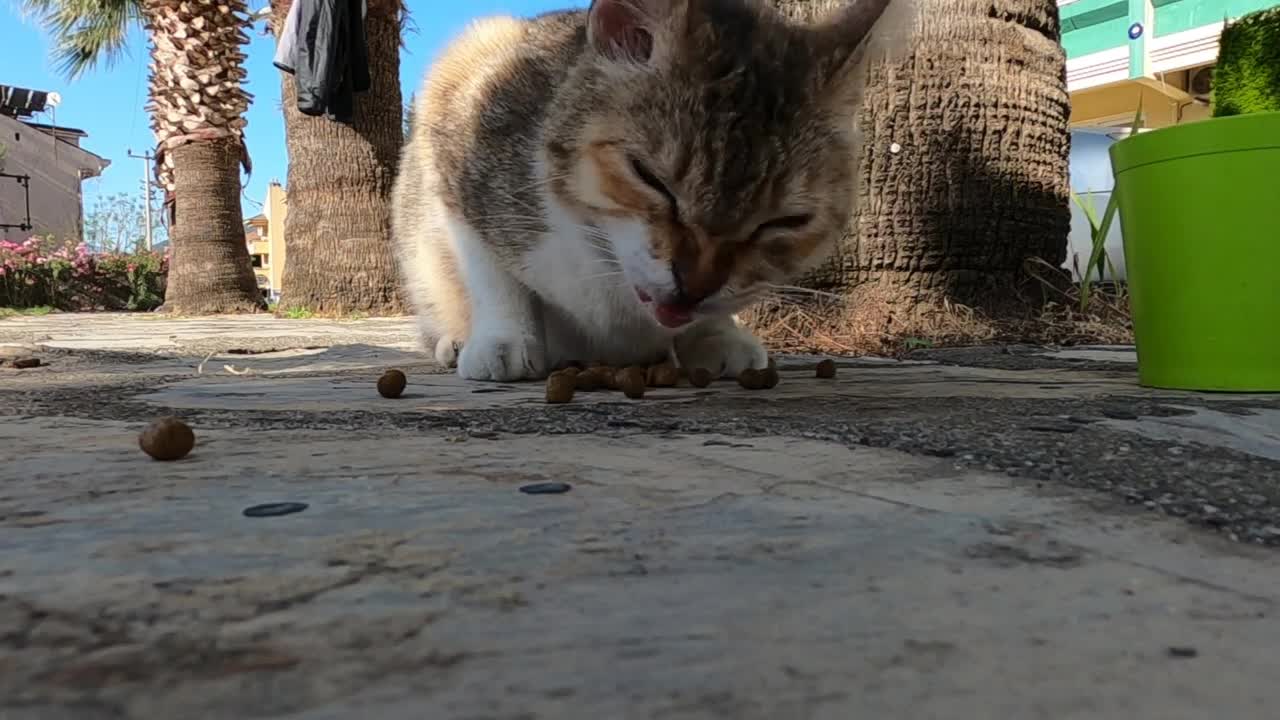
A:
[786,222]
[649,178]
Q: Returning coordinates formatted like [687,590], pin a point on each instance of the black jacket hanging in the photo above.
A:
[323,45]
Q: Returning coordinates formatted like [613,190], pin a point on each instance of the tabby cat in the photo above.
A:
[614,184]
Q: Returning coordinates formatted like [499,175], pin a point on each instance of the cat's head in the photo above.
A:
[713,141]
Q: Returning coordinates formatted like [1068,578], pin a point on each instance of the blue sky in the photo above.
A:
[108,101]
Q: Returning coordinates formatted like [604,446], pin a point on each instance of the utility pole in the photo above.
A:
[147,157]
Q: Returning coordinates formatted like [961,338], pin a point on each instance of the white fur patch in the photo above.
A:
[506,341]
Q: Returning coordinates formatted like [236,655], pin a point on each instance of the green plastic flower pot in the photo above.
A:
[1200,215]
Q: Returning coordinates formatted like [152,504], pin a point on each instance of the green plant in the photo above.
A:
[1098,230]
[37,311]
[1247,76]
[68,276]
[298,313]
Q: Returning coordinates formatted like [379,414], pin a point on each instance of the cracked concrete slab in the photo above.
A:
[984,533]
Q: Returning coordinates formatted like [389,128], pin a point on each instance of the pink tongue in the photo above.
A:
[670,315]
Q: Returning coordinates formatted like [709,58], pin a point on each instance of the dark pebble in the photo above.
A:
[545,488]
[275,509]
[1177,651]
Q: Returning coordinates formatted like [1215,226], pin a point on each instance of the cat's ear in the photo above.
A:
[631,31]
[862,32]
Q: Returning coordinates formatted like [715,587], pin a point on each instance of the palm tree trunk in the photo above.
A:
[210,271]
[197,105]
[338,229]
[964,175]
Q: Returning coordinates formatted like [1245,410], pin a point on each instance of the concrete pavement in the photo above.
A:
[996,532]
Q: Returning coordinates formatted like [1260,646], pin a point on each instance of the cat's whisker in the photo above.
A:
[781,299]
[616,273]
[803,291]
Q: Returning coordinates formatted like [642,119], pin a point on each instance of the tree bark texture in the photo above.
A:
[210,271]
[338,228]
[964,172]
[197,104]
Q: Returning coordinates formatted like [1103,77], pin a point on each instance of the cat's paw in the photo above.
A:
[447,351]
[725,351]
[501,357]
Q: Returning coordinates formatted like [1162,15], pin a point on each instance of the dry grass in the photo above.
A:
[877,323]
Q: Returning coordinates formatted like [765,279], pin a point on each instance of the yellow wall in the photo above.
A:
[276,208]
[1115,105]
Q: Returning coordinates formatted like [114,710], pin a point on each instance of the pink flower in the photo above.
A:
[131,267]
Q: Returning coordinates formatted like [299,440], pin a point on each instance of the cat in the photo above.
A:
[614,184]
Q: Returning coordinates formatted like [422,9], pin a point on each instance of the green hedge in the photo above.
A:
[1247,78]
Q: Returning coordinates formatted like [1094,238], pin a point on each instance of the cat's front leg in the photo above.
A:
[720,346]
[506,342]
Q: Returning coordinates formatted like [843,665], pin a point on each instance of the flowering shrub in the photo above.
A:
[68,276]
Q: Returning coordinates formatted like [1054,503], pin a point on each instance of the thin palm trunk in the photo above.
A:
[338,229]
[208,273]
[964,175]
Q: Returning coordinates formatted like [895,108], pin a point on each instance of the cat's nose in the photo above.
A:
[689,292]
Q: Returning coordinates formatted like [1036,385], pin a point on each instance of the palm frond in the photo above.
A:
[85,32]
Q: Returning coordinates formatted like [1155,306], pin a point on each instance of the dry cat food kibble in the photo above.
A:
[771,376]
[590,380]
[167,439]
[752,379]
[826,369]
[631,381]
[560,387]
[663,375]
[392,383]
[700,377]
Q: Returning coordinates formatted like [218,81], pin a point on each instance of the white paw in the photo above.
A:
[501,357]
[447,351]
[725,351]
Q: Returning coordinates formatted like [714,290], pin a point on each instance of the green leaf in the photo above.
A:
[1097,256]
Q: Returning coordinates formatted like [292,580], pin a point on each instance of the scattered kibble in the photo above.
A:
[560,387]
[826,369]
[590,380]
[663,375]
[752,379]
[771,376]
[700,377]
[392,384]
[167,439]
[631,381]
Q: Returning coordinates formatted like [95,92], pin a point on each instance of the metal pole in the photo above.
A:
[146,183]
